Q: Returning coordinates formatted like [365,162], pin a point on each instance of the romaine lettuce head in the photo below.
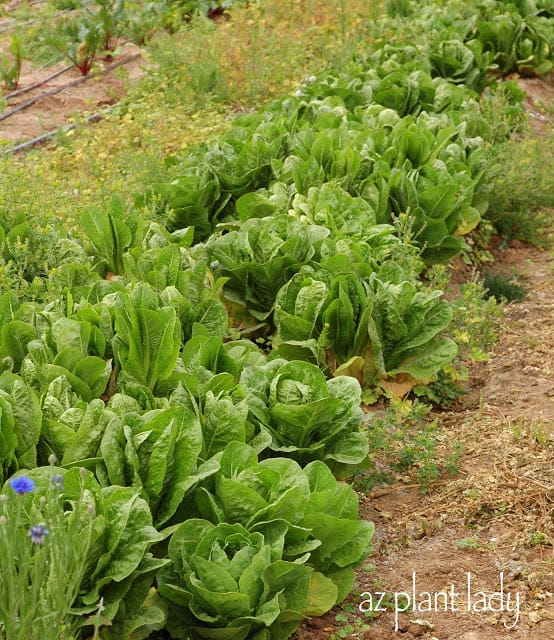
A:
[308,417]
[321,515]
[262,256]
[227,582]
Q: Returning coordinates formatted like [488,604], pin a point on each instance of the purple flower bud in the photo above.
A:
[56,482]
[38,532]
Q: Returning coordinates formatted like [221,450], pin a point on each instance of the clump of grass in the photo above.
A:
[503,287]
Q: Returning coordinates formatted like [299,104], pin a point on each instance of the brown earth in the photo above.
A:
[106,85]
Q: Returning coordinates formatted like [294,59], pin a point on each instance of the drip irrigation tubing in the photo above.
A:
[29,144]
[51,92]
[16,25]
[35,85]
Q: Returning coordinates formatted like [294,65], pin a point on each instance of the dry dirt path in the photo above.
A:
[495,520]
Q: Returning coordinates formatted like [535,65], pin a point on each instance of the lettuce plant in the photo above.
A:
[8,440]
[333,207]
[321,514]
[461,63]
[190,199]
[119,565]
[242,159]
[109,235]
[158,453]
[308,417]
[408,324]
[73,349]
[517,44]
[20,419]
[341,154]
[374,330]
[228,582]
[146,340]
[261,256]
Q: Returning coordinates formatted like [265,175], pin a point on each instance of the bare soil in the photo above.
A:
[104,87]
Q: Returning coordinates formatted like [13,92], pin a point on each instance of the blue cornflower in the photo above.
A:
[22,484]
[56,482]
[38,532]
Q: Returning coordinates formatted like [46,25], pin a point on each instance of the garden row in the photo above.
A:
[188,390]
[85,32]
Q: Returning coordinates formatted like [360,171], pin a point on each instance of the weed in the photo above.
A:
[471,543]
[523,188]
[534,431]
[475,320]
[399,8]
[353,622]
[10,63]
[503,287]
[402,439]
[538,538]
[473,328]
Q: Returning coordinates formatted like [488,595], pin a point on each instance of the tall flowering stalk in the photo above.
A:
[44,543]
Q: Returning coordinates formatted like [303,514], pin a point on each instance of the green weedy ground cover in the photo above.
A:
[202,358]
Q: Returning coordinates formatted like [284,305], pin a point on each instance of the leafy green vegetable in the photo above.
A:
[65,351]
[74,435]
[461,63]
[517,44]
[262,496]
[408,323]
[8,440]
[191,200]
[146,343]
[260,257]
[373,330]
[308,417]
[333,207]
[158,453]
[15,336]
[109,234]
[228,582]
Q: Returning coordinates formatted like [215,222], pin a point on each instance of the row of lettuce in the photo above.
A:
[198,378]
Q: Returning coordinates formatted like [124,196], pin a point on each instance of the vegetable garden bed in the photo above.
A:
[187,384]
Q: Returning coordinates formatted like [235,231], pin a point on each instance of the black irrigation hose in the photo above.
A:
[47,94]
[30,87]
[25,146]
[15,25]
